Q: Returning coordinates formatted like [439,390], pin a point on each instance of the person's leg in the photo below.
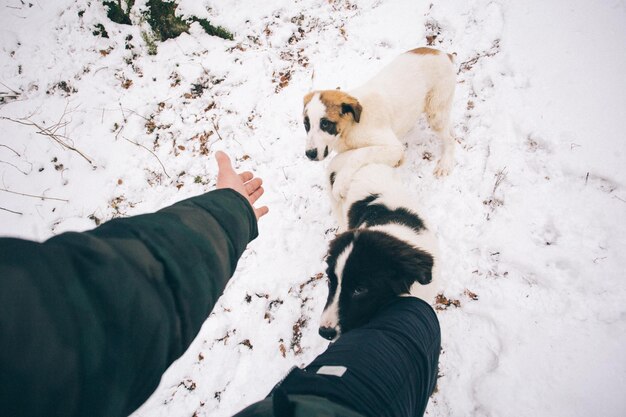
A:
[297,406]
[387,367]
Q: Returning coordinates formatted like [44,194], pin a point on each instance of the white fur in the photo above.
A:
[330,316]
[316,137]
[392,101]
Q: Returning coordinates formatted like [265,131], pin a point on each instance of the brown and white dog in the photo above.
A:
[375,116]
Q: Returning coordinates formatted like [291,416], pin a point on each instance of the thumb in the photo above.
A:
[223,161]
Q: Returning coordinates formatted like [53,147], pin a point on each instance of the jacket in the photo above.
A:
[90,321]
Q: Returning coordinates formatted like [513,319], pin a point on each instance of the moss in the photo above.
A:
[150,42]
[118,13]
[100,30]
[213,30]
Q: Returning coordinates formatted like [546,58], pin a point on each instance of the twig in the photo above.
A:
[147,149]
[11,211]
[123,115]
[16,167]
[133,112]
[119,131]
[217,130]
[500,176]
[14,151]
[35,196]
[14,91]
[51,132]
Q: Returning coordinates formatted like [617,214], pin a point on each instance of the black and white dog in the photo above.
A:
[385,250]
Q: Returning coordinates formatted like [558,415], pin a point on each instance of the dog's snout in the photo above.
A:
[311,154]
[328,333]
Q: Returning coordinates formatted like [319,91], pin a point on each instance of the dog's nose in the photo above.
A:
[328,333]
[311,154]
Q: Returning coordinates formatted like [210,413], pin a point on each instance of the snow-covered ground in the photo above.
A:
[532,221]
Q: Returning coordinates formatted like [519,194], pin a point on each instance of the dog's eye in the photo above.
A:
[328,126]
[307,124]
[359,291]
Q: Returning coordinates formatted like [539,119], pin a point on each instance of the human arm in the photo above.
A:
[89,321]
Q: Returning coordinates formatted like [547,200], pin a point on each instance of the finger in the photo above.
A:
[253,185]
[223,162]
[261,211]
[246,176]
[252,198]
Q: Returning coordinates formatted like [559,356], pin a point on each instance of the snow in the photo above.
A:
[531,223]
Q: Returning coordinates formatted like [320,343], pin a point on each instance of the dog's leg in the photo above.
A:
[438,106]
[347,163]
[336,204]
[446,162]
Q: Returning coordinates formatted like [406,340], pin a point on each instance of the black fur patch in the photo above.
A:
[333,175]
[348,109]
[379,268]
[337,245]
[328,126]
[364,212]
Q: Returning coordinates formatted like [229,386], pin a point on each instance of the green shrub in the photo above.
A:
[150,42]
[163,20]
[166,25]
[161,16]
[213,30]
[100,30]
[117,13]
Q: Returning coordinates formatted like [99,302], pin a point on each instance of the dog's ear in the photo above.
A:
[413,265]
[354,108]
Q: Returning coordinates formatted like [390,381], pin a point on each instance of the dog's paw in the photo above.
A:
[443,168]
[339,185]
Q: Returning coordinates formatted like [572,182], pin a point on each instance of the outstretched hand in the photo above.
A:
[244,183]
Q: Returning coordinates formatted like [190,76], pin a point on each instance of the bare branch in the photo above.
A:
[51,132]
[34,196]
[12,90]
[500,177]
[119,131]
[16,167]
[14,151]
[133,112]
[147,149]
[217,130]
[11,211]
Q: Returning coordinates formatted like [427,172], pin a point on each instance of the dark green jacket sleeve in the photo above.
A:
[89,321]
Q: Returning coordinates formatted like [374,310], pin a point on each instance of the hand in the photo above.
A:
[244,183]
